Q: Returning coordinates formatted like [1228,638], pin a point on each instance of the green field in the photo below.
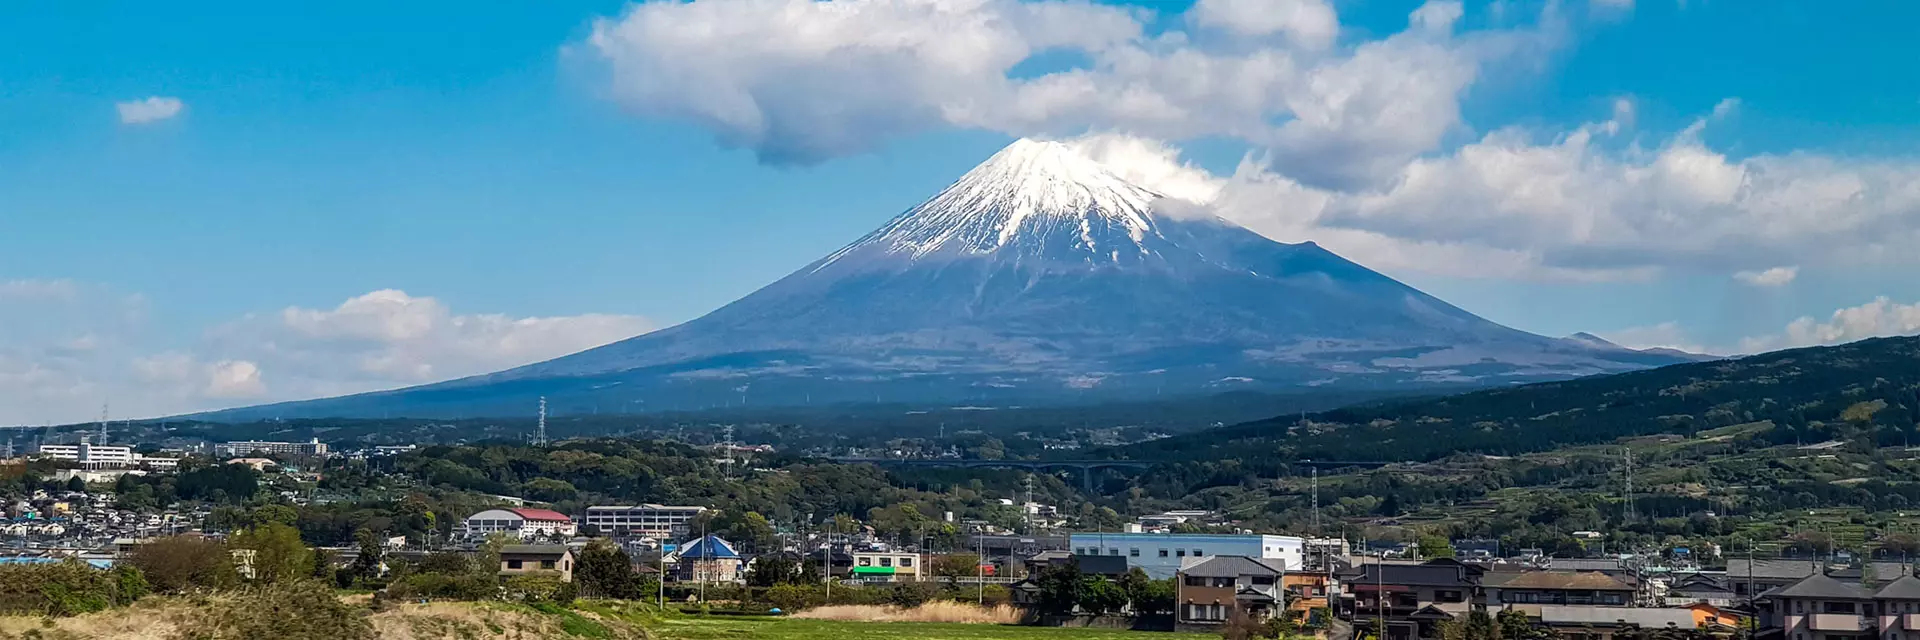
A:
[716,628]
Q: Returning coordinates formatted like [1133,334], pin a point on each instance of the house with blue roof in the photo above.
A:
[709,559]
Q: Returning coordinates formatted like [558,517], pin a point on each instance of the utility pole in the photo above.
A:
[980,568]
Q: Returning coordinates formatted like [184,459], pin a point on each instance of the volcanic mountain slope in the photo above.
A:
[1039,276]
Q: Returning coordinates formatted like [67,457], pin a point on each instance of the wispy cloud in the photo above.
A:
[151,109]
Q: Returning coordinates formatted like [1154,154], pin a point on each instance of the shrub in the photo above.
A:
[65,588]
[444,587]
[181,563]
[287,610]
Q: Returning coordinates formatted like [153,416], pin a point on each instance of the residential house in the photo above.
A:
[1708,588]
[887,566]
[1899,608]
[1213,590]
[537,559]
[1751,578]
[1556,587]
[1411,599]
[1819,607]
[1308,593]
[1570,622]
[708,559]
[1707,615]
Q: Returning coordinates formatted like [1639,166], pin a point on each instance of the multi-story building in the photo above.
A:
[313,447]
[651,520]
[1162,555]
[1210,592]
[1821,607]
[887,566]
[1411,599]
[100,456]
[522,522]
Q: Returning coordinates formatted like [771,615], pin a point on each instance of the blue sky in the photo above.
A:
[499,164]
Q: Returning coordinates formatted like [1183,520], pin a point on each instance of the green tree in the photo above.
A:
[775,569]
[274,553]
[605,571]
[1435,546]
[1100,596]
[956,565]
[1060,588]
[273,513]
[366,564]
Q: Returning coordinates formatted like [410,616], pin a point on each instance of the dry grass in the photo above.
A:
[941,611]
[170,619]
[149,619]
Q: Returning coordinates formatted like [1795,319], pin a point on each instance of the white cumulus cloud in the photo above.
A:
[805,80]
[1880,318]
[151,109]
[66,348]
[1772,277]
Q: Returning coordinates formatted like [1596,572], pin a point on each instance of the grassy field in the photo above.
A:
[716,628]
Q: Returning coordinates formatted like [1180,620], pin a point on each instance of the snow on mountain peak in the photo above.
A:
[1028,195]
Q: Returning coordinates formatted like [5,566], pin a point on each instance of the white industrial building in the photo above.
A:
[651,520]
[313,447]
[1162,555]
[99,456]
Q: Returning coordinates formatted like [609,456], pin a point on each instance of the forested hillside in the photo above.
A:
[1865,390]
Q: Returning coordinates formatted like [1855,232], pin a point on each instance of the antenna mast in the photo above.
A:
[540,428]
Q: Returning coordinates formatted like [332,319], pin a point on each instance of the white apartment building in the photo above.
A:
[96,456]
[651,520]
[1162,555]
[313,447]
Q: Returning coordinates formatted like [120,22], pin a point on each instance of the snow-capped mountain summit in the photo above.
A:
[1038,276]
[1027,194]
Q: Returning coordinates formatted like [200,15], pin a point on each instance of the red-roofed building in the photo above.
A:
[519,521]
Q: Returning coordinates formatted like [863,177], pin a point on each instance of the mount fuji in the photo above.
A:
[1038,277]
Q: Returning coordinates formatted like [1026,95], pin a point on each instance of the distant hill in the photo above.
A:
[1867,390]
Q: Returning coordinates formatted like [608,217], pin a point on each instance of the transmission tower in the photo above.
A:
[1629,478]
[540,428]
[103,423]
[1316,500]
